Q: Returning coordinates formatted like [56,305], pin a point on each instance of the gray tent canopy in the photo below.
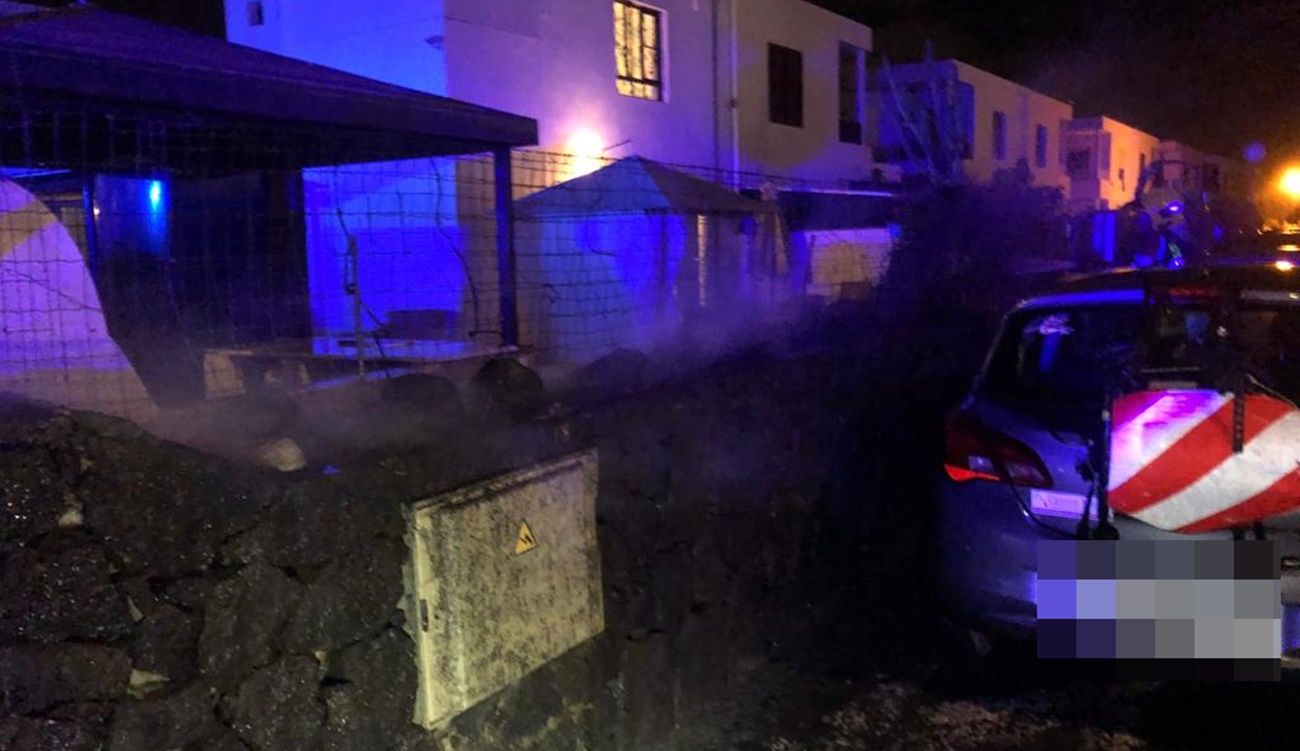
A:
[635,185]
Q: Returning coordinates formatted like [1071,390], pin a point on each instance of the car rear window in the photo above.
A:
[1055,355]
[1066,355]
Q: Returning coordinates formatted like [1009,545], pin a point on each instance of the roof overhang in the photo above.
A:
[75,73]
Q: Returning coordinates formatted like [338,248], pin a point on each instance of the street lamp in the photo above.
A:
[1289,184]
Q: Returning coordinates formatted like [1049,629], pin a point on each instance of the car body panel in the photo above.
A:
[988,539]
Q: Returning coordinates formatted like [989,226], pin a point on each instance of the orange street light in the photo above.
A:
[1289,184]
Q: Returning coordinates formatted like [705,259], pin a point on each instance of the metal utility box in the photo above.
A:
[504,576]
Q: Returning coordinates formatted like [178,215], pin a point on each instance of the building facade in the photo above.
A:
[1104,159]
[1192,169]
[757,86]
[994,124]
[766,95]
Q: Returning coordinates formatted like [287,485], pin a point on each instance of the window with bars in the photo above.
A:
[638,50]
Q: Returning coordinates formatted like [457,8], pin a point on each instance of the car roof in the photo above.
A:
[1129,285]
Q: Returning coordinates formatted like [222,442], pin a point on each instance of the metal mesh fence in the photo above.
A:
[150,263]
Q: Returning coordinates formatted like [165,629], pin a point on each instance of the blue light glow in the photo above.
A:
[155,194]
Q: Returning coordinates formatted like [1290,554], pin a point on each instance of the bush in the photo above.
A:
[967,249]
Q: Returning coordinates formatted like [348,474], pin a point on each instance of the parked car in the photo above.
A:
[1017,463]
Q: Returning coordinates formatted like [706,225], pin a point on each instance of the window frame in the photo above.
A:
[791,113]
[851,59]
[623,54]
[999,135]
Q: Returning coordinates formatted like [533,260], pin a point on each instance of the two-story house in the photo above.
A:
[996,124]
[756,86]
[1105,159]
[755,94]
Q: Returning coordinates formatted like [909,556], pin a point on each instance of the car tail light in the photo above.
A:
[974,451]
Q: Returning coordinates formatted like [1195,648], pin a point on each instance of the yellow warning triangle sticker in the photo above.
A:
[524,541]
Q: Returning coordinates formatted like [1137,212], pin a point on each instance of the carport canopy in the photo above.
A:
[86,88]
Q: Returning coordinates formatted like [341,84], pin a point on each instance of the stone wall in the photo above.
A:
[157,598]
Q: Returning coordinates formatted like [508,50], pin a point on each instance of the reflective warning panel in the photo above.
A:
[504,576]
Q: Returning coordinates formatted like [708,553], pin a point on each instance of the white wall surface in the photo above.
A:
[554,61]
[1111,178]
[812,152]
[1025,109]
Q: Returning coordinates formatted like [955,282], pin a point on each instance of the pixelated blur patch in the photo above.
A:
[1160,609]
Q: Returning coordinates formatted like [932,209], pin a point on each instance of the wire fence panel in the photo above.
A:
[158,263]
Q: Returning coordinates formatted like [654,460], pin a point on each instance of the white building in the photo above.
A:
[755,93]
[736,85]
[999,123]
[1104,159]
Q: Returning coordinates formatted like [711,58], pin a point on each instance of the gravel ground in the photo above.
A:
[871,678]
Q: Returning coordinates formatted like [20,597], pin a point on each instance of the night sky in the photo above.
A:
[1217,75]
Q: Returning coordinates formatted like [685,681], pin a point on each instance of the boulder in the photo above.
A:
[243,616]
[45,734]
[503,387]
[168,723]
[166,644]
[33,493]
[36,676]
[424,393]
[276,707]
[312,523]
[221,738]
[370,696]
[162,509]
[351,598]
[61,591]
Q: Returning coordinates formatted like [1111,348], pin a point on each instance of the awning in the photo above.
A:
[637,185]
[99,78]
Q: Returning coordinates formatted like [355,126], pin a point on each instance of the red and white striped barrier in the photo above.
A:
[1172,464]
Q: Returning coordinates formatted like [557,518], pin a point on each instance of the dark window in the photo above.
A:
[638,50]
[1061,356]
[1079,163]
[999,135]
[785,85]
[851,71]
[253,12]
[1142,165]
[1054,355]
[1040,146]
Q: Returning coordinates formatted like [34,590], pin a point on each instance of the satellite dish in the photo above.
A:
[54,341]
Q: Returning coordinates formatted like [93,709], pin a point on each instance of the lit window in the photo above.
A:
[638,50]
[999,135]
[785,85]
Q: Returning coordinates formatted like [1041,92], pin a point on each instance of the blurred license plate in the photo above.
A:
[1051,503]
